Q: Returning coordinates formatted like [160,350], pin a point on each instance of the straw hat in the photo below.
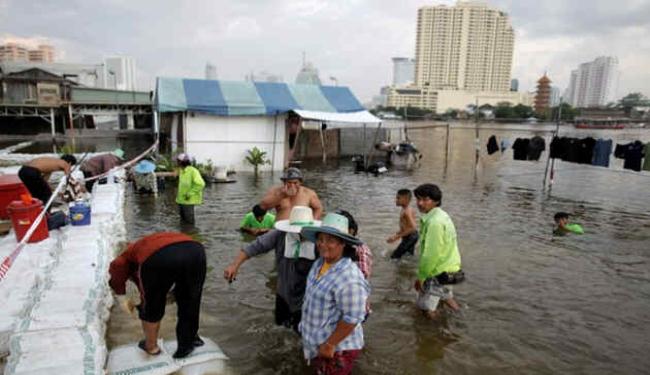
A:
[299,217]
[333,224]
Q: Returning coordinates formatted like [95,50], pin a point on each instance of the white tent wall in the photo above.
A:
[226,139]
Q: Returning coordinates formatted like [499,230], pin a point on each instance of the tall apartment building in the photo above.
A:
[13,52]
[119,73]
[594,83]
[403,71]
[468,46]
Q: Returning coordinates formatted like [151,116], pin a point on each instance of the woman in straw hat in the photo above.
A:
[335,299]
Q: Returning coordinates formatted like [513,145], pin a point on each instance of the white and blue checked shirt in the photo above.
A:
[340,294]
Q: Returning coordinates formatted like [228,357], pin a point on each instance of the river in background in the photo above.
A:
[532,303]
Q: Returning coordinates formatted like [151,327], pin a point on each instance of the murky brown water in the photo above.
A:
[531,303]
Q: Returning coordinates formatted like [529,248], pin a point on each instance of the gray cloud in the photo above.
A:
[352,40]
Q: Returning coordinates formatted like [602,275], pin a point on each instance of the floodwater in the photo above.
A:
[532,303]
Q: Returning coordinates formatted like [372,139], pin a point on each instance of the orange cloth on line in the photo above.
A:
[323,269]
[127,265]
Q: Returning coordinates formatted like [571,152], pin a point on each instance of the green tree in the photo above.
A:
[504,110]
[631,100]
[257,157]
[523,111]
[568,112]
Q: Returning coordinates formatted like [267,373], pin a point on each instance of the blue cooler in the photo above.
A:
[80,213]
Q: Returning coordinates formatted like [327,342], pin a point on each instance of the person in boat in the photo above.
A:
[439,264]
[190,188]
[408,232]
[564,226]
[155,263]
[335,300]
[290,194]
[293,255]
[257,222]
[101,164]
[36,174]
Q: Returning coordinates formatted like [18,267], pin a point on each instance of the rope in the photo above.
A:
[124,165]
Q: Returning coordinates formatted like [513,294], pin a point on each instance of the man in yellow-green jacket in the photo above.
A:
[190,188]
[439,264]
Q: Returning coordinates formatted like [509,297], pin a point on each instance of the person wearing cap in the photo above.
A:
[190,188]
[335,299]
[291,193]
[294,257]
[101,164]
[155,263]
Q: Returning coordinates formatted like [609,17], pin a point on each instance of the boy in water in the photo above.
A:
[563,225]
[257,222]
[407,226]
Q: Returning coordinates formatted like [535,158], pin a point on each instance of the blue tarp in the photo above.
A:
[230,98]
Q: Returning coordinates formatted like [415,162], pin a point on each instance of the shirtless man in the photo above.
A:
[291,193]
[36,173]
[407,226]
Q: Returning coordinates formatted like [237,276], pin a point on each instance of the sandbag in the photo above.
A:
[129,359]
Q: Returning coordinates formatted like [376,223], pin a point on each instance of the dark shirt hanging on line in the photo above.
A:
[646,162]
[557,148]
[520,148]
[586,150]
[633,156]
[492,145]
[535,147]
[619,151]
[602,150]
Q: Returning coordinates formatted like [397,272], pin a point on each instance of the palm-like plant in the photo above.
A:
[257,157]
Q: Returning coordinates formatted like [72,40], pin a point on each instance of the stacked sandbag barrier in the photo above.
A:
[63,329]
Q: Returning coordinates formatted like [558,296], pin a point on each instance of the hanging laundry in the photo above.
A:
[573,150]
[535,147]
[492,145]
[602,150]
[520,148]
[505,144]
[619,151]
[633,156]
[586,150]
[558,148]
[646,162]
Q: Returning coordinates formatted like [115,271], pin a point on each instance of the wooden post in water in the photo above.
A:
[52,123]
[476,134]
[275,132]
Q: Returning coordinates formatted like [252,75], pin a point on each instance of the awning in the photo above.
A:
[335,120]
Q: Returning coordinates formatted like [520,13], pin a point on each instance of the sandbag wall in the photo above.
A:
[62,330]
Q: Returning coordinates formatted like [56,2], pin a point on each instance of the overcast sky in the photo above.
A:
[352,40]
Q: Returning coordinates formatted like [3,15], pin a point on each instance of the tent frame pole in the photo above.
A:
[275,132]
[374,142]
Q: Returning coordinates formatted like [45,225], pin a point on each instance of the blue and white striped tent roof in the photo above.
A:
[229,98]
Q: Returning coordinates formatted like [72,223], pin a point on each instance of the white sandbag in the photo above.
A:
[131,360]
[208,352]
[214,367]
[65,351]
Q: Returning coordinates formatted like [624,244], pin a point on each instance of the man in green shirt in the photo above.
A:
[257,221]
[439,264]
[563,225]
[190,188]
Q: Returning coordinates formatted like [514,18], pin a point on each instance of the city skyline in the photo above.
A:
[177,40]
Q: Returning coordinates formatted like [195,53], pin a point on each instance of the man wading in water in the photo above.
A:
[290,194]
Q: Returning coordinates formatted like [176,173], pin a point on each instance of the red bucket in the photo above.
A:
[10,190]
[23,215]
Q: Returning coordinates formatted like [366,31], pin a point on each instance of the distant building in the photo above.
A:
[594,83]
[210,71]
[403,71]
[514,85]
[543,96]
[468,46]
[263,76]
[88,75]
[308,74]
[120,73]
[463,55]
[555,96]
[13,52]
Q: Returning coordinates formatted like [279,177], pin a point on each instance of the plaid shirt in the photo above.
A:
[340,294]
[365,259]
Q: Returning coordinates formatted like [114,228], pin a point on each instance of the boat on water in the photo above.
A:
[597,125]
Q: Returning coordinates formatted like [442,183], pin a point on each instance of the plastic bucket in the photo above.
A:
[23,215]
[10,190]
[80,213]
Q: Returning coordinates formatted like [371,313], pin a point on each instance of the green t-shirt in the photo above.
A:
[438,248]
[249,221]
